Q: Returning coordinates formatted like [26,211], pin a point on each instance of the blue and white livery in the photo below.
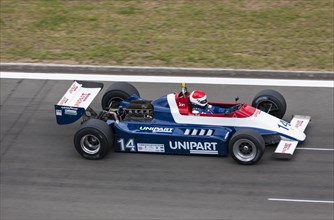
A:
[167,124]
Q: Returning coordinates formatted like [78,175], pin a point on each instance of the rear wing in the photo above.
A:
[286,147]
[76,100]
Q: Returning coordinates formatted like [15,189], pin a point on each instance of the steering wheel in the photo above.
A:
[236,107]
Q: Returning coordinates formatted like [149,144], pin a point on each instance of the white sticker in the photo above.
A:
[144,147]
[59,112]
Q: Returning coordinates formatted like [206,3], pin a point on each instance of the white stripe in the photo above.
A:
[187,132]
[168,79]
[194,132]
[156,68]
[316,149]
[202,132]
[301,200]
[203,152]
[210,132]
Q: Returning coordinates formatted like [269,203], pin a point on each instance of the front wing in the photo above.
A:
[286,147]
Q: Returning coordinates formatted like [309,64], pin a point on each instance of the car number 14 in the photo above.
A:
[284,125]
[128,145]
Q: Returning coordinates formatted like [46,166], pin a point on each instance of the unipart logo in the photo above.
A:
[156,129]
[193,145]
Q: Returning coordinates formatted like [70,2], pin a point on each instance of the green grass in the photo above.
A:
[255,34]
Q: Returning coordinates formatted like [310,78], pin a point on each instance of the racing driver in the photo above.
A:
[199,102]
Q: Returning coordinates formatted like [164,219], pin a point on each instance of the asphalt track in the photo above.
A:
[42,176]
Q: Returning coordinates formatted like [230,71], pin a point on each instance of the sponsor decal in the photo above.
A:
[257,112]
[59,112]
[286,147]
[299,123]
[193,146]
[68,110]
[63,101]
[156,129]
[145,147]
[73,88]
[69,107]
[83,97]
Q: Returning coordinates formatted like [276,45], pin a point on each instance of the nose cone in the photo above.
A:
[299,135]
[280,126]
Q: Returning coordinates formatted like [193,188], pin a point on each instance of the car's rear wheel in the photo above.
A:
[93,139]
[270,101]
[246,147]
[116,93]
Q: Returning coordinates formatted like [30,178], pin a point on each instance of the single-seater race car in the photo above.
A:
[166,125]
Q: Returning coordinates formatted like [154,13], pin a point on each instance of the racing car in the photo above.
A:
[166,125]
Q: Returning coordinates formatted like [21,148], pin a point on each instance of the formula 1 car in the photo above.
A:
[166,125]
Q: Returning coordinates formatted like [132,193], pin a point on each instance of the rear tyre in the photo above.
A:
[270,101]
[93,139]
[246,147]
[116,93]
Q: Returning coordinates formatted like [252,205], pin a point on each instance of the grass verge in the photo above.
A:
[253,34]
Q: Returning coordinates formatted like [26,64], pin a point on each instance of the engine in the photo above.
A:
[138,110]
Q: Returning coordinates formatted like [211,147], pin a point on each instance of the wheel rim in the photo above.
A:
[244,150]
[268,106]
[90,144]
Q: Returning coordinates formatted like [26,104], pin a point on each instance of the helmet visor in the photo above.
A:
[203,101]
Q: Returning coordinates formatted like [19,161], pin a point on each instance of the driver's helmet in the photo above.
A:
[198,98]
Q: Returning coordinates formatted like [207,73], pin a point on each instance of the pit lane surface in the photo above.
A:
[42,176]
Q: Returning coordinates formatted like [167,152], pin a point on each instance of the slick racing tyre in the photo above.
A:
[270,101]
[116,93]
[246,147]
[93,139]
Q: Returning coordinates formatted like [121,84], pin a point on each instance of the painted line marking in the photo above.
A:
[316,149]
[169,79]
[157,68]
[301,200]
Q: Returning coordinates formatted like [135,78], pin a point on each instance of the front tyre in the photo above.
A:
[93,139]
[271,102]
[246,147]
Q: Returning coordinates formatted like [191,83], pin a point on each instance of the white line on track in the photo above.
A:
[316,149]
[168,79]
[151,68]
[301,200]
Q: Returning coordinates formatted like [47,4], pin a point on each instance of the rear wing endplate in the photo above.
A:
[286,147]
[76,100]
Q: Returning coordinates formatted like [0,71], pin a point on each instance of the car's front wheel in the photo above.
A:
[93,139]
[246,147]
[270,101]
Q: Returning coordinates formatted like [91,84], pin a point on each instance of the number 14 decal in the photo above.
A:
[284,125]
[128,145]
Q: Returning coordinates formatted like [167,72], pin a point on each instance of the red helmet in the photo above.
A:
[198,97]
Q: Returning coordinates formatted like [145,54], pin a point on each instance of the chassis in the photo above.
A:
[128,123]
